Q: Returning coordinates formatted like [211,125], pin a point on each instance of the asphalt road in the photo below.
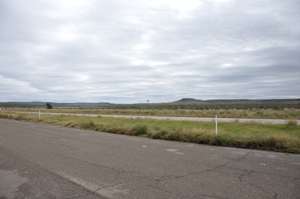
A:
[43,161]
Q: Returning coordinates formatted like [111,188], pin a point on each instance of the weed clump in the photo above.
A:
[87,125]
[70,124]
[291,124]
[19,117]
[140,130]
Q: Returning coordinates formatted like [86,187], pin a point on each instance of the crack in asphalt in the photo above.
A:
[210,196]
[165,179]
[265,173]
[172,177]
[28,164]
[245,174]
[274,194]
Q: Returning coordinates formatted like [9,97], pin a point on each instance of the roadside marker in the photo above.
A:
[39,114]
[216,122]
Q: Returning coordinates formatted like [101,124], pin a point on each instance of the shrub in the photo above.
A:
[49,106]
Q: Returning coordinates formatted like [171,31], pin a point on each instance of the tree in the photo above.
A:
[49,106]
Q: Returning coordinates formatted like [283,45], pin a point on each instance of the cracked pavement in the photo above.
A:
[55,162]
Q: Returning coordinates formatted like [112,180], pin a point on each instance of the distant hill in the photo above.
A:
[188,101]
[184,103]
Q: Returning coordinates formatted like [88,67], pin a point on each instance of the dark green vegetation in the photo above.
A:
[284,138]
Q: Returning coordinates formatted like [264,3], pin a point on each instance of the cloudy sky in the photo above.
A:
[129,51]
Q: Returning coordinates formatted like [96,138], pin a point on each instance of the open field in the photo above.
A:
[286,113]
[285,138]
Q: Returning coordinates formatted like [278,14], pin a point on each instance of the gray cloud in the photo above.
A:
[131,51]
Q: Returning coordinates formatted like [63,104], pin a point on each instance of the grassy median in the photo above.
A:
[284,138]
[287,113]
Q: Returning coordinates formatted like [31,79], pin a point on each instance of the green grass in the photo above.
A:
[284,138]
[287,113]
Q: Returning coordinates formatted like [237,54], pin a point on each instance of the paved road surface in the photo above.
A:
[43,161]
[196,119]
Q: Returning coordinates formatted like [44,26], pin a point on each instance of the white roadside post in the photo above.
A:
[39,114]
[216,122]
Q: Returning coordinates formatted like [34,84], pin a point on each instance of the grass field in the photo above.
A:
[284,138]
[287,113]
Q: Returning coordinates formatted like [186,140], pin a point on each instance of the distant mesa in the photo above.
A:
[188,101]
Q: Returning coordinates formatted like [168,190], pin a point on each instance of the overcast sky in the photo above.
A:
[129,51]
